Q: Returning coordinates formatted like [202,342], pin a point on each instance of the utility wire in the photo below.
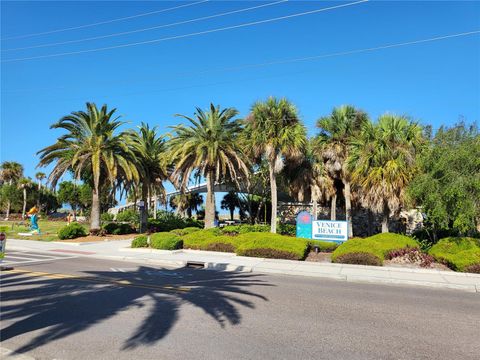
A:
[294,60]
[185,35]
[103,22]
[145,29]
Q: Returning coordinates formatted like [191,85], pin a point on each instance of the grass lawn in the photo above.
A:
[48,229]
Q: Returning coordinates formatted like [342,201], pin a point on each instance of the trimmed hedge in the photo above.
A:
[234,230]
[118,228]
[165,241]
[171,222]
[140,242]
[211,240]
[378,246]
[71,231]
[270,245]
[185,231]
[460,254]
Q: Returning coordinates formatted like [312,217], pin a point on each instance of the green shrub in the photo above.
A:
[71,231]
[118,228]
[378,245]
[106,217]
[460,254]
[130,216]
[287,229]
[359,258]
[210,240]
[169,222]
[233,230]
[165,241]
[185,231]
[140,242]
[271,246]
[323,246]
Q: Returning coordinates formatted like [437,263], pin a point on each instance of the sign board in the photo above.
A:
[329,230]
[304,225]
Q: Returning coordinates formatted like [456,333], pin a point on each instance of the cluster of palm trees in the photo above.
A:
[12,178]
[365,162]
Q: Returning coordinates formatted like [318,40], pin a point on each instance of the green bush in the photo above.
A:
[359,258]
[106,217]
[140,242]
[460,254]
[210,240]
[287,229]
[72,231]
[130,216]
[169,222]
[118,228]
[378,245]
[323,246]
[271,246]
[233,230]
[165,241]
[185,231]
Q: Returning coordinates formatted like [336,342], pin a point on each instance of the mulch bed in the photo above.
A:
[92,238]
[319,257]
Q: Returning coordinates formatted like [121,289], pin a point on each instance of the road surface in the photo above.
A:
[62,306]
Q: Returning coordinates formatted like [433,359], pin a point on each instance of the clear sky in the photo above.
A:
[434,82]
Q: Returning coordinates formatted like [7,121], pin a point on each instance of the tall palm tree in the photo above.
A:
[230,202]
[92,147]
[208,145]
[24,184]
[337,131]
[383,161]
[40,176]
[275,133]
[10,172]
[309,179]
[186,203]
[150,153]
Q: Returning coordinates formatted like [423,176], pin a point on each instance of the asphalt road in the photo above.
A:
[83,308]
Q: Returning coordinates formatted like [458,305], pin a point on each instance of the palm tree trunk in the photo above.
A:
[95,211]
[210,203]
[386,212]
[315,209]
[155,204]
[144,208]
[9,205]
[348,208]
[273,190]
[333,208]
[231,214]
[24,202]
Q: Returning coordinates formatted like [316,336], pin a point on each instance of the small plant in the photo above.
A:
[107,217]
[131,216]
[323,246]
[118,228]
[140,242]
[72,231]
[287,229]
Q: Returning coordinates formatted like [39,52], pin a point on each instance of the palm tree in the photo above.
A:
[230,202]
[92,148]
[309,179]
[150,153]
[337,131]
[40,176]
[186,203]
[10,172]
[383,161]
[24,184]
[274,132]
[209,146]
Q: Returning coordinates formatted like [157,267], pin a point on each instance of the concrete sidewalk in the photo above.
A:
[120,250]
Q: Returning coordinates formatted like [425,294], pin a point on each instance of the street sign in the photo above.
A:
[304,225]
[329,230]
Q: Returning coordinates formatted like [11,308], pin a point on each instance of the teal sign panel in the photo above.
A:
[304,225]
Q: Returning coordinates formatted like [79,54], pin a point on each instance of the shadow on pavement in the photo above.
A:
[61,307]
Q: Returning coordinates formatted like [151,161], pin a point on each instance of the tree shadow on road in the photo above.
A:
[58,307]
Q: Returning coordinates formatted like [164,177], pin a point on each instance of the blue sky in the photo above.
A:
[435,83]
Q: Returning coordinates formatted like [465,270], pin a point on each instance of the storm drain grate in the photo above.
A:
[195,264]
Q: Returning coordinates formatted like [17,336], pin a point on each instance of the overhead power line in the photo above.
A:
[103,22]
[293,60]
[146,29]
[186,35]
